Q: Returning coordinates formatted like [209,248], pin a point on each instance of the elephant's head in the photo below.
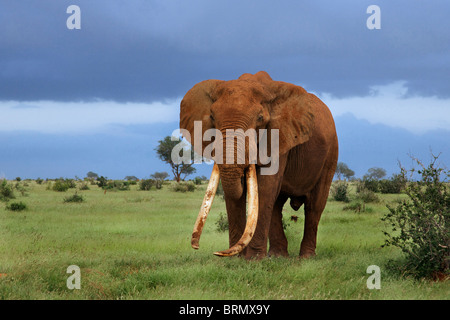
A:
[250,102]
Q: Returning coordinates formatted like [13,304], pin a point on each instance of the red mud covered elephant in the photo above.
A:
[306,157]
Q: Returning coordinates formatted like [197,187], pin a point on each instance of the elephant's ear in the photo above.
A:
[195,106]
[291,111]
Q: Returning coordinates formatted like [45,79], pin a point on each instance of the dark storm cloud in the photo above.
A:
[151,50]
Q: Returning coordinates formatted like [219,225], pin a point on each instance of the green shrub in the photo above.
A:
[159,178]
[117,185]
[16,206]
[21,188]
[71,183]
[102,182]
[159,184]
[146,184]
[367,196]
[60,186]
[393,185]
[357,206]
[371,184]
[6,191]
[222,223]
[75,198]
[190,187]
[339,191]
[84,186]
[420,225]
[220,192]
[183,187]
[39,180]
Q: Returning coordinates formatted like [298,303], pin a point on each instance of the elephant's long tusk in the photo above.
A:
[252,216]
[206,206]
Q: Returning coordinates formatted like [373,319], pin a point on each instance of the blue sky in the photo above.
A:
[99,98]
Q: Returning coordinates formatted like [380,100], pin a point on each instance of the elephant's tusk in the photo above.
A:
[206,206]
[252,216]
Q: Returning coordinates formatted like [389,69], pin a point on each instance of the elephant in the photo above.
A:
[307,158]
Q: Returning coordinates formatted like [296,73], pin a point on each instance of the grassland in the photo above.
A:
[136,245]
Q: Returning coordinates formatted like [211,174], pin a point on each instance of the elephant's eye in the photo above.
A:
[211,117]
[260,118]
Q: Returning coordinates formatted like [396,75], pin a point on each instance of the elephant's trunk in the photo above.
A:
[232,177]
[235,159]
[234,169]
[252,215]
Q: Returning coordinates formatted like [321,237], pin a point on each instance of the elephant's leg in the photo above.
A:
[236,219]
[267,193]
[314,206]
[277,238]
[269,187]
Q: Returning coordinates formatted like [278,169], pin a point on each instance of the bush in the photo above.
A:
[102,182]
[76,198]
[183,187]
[393,185]
[71,183]
[159,178]
[146,184]
[419,226]
[16,206]
[60,186]
[21,188]
[117,185]
[190,187]
[219,191]
[339,191]
[367,196]
[6,191]
[159,184]
[371,184]
[222,223]
[84,186]
[358,206]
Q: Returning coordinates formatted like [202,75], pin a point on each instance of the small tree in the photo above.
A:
[146,184]
[342,169]
[395,184]
[102,182]
[375,173]
[61,185]
[420,226]
[6,191]
[340,191]
[92,175]
[164,151]
[159,178]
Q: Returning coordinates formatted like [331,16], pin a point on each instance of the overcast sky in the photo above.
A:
[132,61]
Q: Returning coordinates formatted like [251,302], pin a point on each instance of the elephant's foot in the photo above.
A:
[255,254]
[307,254]
[278,252]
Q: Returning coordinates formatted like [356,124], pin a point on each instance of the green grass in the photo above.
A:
[136,245]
